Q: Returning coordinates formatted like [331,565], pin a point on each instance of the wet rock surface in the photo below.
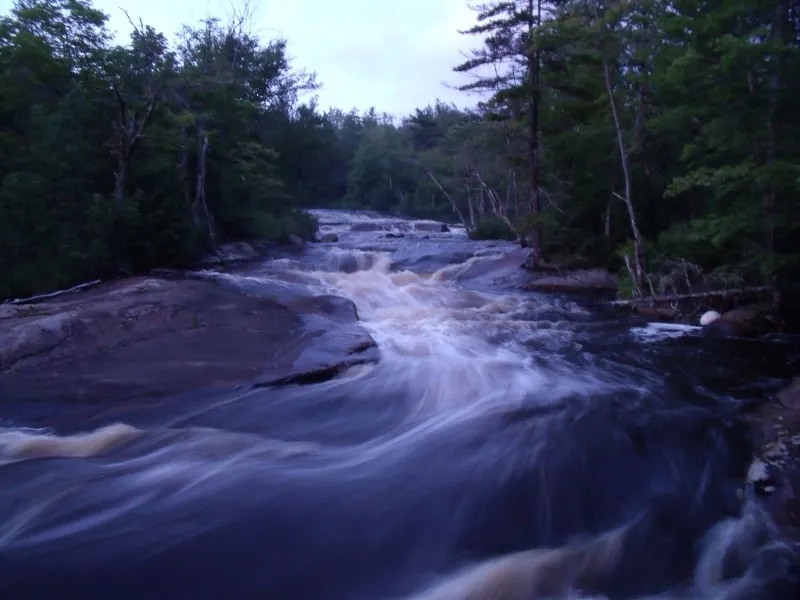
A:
[234,252]
[746,321]
[775,473]
[151,337]
[577,280]
[396,226]
[659,312]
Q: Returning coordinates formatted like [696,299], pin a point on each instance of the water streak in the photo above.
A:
[507,446]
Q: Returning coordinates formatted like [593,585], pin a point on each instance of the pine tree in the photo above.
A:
[508,67]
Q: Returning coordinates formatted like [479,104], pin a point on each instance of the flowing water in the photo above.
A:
[507,446]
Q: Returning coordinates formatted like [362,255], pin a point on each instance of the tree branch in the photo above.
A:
[36,298]
[694,296]
[122,108]
[448,196]
[495,201]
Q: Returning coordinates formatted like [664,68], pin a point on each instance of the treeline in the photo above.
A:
[118,158]
[659,138]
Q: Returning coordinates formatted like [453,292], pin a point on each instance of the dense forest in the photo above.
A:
[657,138]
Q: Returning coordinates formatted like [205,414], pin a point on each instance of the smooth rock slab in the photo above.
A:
[153,338]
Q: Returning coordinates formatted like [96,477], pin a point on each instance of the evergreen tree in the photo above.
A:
[656,138]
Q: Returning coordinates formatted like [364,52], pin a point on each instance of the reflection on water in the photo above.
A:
[506,446]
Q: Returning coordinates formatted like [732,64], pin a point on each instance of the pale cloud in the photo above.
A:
[392,54]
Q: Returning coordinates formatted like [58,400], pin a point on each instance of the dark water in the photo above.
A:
[506,446]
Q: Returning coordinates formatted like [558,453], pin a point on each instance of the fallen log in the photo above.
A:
[38,297]
[694,296]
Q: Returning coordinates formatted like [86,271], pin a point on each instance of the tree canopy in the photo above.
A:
[640,136]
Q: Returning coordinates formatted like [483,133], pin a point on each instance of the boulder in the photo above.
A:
[151,338]
[579,280]
[328,238]
[746,321]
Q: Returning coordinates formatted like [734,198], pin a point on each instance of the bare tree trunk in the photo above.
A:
[515,194]
[638,242]
[768,198]
[471,208]
[691,296]
[130,127]
[200,209]
[119,180]
[514,190]
[535,235]
[496,202]
[183,168]
[38,297]
[607,228]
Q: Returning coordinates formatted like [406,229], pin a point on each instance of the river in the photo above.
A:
[508,445]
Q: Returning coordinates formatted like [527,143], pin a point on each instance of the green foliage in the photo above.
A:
[281,228]
[492,229]
[116,159]
[121,158]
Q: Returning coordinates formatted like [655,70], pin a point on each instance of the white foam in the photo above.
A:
[757,471]
[709,317]
[451,347]
[19,444]
[656,332]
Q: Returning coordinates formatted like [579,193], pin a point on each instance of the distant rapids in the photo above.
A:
[506,446]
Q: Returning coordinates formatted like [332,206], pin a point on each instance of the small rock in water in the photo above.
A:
[746,321]
[296,240]
[709,317]
[329,238]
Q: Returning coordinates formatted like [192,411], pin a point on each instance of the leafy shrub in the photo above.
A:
[492,229]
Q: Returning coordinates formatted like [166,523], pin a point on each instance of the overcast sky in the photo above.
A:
[392,54]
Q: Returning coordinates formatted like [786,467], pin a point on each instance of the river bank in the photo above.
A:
[366,417]
[145,338]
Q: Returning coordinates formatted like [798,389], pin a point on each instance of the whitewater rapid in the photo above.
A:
[505,446]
